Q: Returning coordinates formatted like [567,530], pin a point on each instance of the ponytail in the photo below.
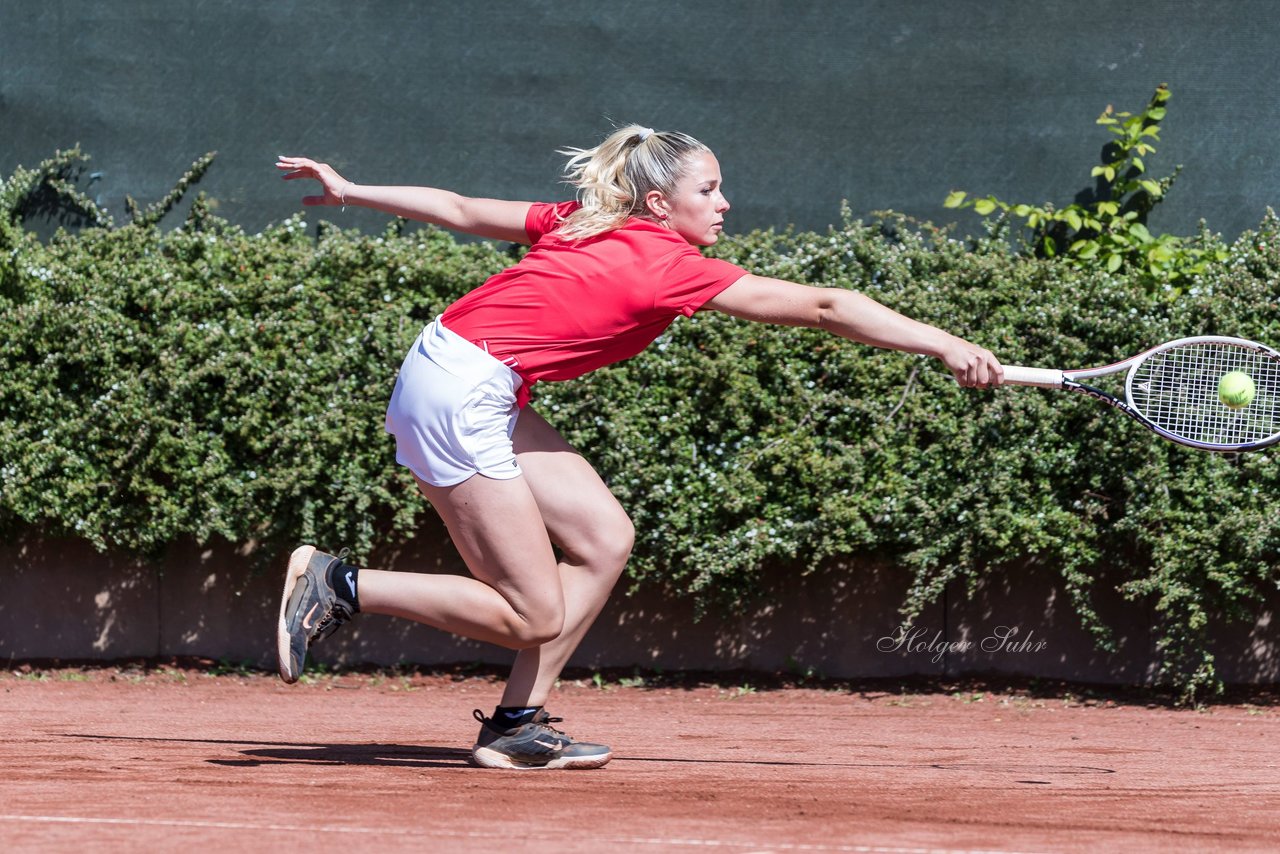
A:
[614,177]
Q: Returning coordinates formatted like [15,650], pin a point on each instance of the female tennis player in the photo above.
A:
[604,276]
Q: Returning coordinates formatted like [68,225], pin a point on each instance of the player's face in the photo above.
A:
[696,207]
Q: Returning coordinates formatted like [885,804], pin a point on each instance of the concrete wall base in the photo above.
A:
[66,601]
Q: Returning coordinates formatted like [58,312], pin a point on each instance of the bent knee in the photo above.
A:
[608,546]
[618,542]
[536,630]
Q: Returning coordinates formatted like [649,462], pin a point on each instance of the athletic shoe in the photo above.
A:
[533,746]
[309,609]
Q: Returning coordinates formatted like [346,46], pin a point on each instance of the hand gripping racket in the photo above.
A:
[1172,389]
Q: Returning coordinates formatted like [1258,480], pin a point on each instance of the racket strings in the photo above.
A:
[1177,390]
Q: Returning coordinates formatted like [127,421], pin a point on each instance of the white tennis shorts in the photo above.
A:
[453,410]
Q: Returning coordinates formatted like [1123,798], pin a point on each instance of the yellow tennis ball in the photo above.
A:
[1236,389]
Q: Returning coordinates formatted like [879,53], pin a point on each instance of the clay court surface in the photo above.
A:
[177,758]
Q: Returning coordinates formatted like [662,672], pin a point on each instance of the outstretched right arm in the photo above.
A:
[492,218]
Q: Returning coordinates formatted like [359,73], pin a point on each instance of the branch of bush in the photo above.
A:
[1111,232]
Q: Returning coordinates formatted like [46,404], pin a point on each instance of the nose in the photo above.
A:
[724,204]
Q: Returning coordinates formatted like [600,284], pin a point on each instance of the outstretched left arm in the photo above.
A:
[493,218]
[856,317]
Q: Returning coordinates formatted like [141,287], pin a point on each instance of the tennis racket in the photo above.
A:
[1172,390]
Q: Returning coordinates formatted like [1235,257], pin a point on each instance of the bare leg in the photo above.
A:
[594,535]
[515,599]
[520,597]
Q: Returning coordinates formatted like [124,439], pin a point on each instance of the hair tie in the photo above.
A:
[645,133]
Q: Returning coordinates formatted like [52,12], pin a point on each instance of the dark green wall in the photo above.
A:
[886,104]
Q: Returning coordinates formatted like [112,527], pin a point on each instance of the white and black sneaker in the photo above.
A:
[533,746]
[309,608]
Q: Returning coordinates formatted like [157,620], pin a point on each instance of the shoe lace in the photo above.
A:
[545,720]
[332,620]
[339,612]
[542,719]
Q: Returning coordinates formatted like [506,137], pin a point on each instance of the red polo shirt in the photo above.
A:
[569,307]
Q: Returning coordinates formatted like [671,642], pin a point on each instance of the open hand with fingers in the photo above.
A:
[334,185]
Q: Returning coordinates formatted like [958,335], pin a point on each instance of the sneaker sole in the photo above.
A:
[486,758]
[297,568]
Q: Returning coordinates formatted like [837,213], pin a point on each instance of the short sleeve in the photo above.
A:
[543,218]
[692,279]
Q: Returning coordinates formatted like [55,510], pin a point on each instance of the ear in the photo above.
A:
[657,204]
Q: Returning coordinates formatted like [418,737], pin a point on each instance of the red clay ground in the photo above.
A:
[174,759]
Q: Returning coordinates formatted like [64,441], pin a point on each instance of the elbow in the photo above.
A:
[827,311]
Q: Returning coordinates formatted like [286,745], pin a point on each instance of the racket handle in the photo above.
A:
[1040,377]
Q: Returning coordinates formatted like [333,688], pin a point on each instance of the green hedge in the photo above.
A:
[203,382]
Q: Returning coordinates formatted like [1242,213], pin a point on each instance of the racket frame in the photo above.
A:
[1070,380]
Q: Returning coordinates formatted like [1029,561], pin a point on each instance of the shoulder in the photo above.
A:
[544,218]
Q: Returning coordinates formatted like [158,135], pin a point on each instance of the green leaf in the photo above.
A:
[1140,231]
[1073,219]
[955,199]
[984,206]
[1151,187]
[1113,263]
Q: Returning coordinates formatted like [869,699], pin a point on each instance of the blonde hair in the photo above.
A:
[614,177]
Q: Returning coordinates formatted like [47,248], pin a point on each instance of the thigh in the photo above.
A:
[498,529]
[581,515]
